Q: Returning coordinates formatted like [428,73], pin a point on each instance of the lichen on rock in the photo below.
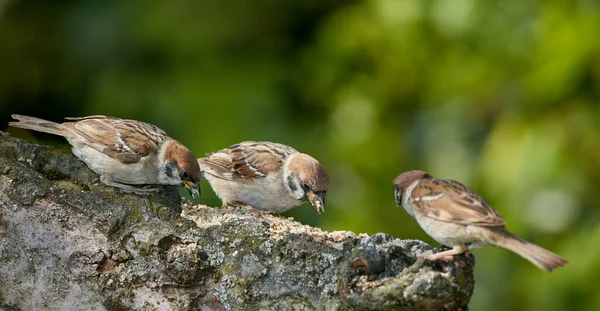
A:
[68,242]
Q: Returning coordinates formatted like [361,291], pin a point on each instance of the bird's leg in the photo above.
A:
[446,255]
[145,190]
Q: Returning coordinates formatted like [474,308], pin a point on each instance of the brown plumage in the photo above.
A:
[461,204]
[124,152]
[246,160]
[267,176]
[457,217]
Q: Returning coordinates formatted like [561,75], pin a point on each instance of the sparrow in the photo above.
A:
[126,153]
[266,176]
[455,216]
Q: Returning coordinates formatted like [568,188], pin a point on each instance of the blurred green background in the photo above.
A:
[501,95]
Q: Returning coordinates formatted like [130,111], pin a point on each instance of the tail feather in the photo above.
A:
[541,257]
[40,125]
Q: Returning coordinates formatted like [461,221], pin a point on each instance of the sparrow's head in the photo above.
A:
[404,180]
[306,180]
[180,167]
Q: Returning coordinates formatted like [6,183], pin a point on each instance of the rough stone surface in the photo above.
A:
[68,242]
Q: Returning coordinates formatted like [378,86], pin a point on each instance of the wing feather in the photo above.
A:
[451,201]
[127,141]
[246,160]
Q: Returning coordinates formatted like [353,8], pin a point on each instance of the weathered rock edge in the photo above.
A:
[70,243]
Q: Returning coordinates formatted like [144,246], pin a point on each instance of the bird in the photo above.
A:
[128,154]
[455,216]
[266,176]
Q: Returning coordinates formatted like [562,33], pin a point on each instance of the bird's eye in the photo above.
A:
[305,187]
[185,175]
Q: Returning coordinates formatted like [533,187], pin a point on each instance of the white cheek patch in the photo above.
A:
[409,190]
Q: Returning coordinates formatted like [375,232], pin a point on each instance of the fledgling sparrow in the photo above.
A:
[266,176]
[126,153]
[455,216]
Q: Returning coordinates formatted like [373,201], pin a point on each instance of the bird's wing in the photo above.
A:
[246,160]
[451,201]
[127,141]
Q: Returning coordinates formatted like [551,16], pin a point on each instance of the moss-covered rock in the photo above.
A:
[68,242]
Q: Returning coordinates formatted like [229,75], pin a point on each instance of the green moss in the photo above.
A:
[145,249]
[162,211]
[68,185]
[4,168]
[55,151]
[227,270]
[243,282]
[53,174]
[134,213]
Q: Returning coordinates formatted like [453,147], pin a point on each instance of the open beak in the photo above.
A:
[192,188]
[317,200]
[398,199]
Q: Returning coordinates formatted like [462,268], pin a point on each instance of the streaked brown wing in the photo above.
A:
[246,160]
[451,201]
[128,141]
[217,164]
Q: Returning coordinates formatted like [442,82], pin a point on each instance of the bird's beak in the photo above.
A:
[192,188]
[317,200]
